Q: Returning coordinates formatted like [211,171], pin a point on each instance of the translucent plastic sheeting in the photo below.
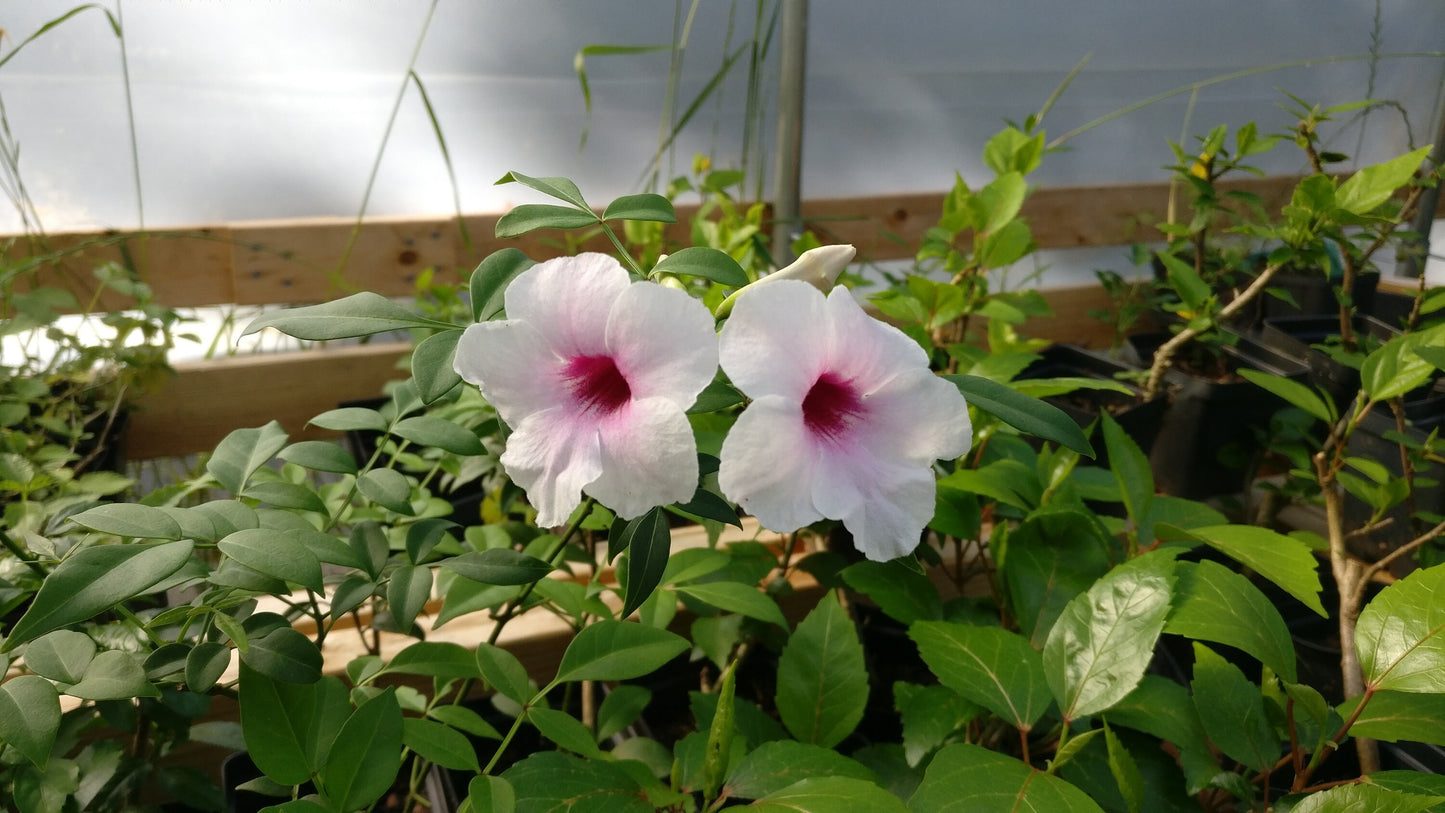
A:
[247,110]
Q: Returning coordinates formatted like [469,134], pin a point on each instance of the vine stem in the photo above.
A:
[1166,352]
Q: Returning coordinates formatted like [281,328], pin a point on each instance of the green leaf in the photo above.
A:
[60,655]
[990,666]
[30,717]
[504,673]
[388,488]
[285,495]
[242,452]
[617,650]
[1364,191]
[930,715]
[561,783]
[735,597]
[1395,716]
[1395,368]
[557,187]
[620,709]
[129,520]
[1292,392]
[366,756]
[319,455]
[432,368]
[1103,642]
[406,593]
[704,263]
[721,735]
[903,593]
[276,554]
[1050,558]
[498,566]
[439,659]
[830,794]
[564,730]
[491,793]
[489,281]
[205,664]
[646,206]
[93,580]
[648,541]
[1026,414]
[362,314]
[529,217]
[1398,636]
[822,682]
[968,777]
[1231,709]
[435,742]
[464,720]
[431,430]
[1362,797]
[350,419]
[114,675]
[1284,560]
[284,654]
[285,724]
[1213,603]
[1162,708]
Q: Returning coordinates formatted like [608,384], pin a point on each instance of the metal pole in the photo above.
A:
[788,191]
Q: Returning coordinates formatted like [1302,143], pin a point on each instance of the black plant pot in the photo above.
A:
[1296,337]
[1139,419]
[1210,438]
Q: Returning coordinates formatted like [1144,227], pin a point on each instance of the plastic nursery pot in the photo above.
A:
[1139,419]
[1296,337]
[1314,293]
[1211,434]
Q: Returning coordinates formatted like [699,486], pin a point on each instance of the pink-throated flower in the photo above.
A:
[846,418]
[594,372]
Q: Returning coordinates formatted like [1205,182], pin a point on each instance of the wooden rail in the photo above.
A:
[297,262]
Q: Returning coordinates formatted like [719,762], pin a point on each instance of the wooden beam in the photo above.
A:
[207,399]
[299,261]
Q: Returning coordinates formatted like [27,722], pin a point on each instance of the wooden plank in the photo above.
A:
[189,268]
[299,261]
[206,400]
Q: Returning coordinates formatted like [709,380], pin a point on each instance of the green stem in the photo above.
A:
[23,555]
[556,550]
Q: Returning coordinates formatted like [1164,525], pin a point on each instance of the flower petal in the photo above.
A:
[918,417]
[512,364]
[553,456]
[864,350]
[569,299]
[767,464]
[772,344]
[649,458]
[663,343]
[890,523]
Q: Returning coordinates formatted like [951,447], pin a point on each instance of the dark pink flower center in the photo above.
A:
[831,406]
[597,383]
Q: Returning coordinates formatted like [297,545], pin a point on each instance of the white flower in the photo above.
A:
[819,267]
[593,372]
[846,418]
